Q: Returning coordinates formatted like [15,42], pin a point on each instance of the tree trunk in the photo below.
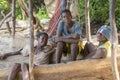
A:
[3,20]
[114,40]
[13,17]
[8,26]
[78,5]
[24,9]
[87,21]
[31,56]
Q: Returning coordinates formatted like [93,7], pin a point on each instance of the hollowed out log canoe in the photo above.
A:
[99,69]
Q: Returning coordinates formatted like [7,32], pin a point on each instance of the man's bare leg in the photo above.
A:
[74,51]
[88,51]
[25,72]
[59,51]
[14,71]
[89,55]
[85,51]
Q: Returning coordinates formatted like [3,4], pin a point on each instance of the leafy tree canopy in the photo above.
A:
[99,12]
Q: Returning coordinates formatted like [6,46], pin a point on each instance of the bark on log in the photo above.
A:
[78,70]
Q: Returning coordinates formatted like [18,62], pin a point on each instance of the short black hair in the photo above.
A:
[40,34]
[66,11]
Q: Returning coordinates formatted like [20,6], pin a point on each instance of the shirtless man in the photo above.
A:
[43,53]
[104,47]
[68,33]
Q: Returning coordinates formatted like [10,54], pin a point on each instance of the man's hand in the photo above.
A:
[57,39]
[75,36]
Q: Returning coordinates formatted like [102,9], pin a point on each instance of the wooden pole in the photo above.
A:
[8,26]
[78,5]
[68,4]
[114,40]
[7,23]
[13,17]
[31,56]
[87,21]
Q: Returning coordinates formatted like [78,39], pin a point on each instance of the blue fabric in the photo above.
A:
[106,31]
[76,29]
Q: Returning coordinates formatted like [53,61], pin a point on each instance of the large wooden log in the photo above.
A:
[78,70]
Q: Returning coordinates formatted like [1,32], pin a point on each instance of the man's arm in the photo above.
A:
[72,38]
[66,39]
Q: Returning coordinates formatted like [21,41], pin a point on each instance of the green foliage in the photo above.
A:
[82,11]
[18,13]
[37,4]
[99,12]
[4,6]
[42,13]
[118,24]
[117,14]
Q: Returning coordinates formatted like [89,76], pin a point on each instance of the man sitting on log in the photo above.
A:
[42,50]
[43,55]
[104,47]
[68,36]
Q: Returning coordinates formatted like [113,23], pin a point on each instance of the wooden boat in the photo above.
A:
[99,69]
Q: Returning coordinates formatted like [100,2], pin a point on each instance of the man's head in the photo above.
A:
[66,16]
[103,33]
[42,38]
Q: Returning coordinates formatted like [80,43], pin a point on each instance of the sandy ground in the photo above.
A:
[8,44]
